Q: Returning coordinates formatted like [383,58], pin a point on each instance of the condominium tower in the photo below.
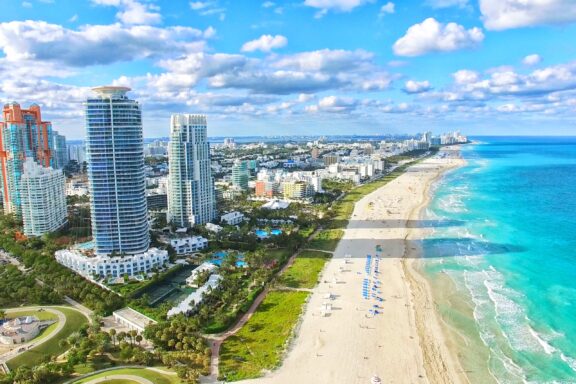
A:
[23,135]
[240,175]
[114,152]
[191,198]
[43,199]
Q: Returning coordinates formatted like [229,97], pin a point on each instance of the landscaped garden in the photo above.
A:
[153,376]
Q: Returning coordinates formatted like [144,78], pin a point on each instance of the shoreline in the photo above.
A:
[401,342]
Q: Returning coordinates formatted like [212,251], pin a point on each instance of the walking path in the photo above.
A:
[136,379]
[218,339]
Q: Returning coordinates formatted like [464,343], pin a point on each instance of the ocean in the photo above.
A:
[501,259]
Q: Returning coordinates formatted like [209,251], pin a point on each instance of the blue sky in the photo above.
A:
[306,67]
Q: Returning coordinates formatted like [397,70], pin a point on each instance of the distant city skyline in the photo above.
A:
[486,67]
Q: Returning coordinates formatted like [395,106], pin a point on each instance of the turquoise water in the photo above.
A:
[219,256]
[505,233]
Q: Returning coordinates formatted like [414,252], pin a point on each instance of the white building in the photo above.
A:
[190,244]
[195,297]
[77,188]
[22,329]
[132,319]
[43,197]
[191,197]
[213,227]
[206,266]
[232,218]
[117,266]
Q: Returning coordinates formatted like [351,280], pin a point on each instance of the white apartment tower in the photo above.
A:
[43,197]
[191,198]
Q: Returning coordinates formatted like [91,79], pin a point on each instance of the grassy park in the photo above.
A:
[154,376]
[260,343]
[74,321]
[305,270]
[326,240]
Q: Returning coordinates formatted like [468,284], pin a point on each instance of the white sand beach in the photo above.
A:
[403,342]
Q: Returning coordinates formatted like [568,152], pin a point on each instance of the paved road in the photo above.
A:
[136,379]
[13,353]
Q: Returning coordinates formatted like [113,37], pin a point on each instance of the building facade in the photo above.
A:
[191,197]
[240,175]
[114,151]
[43,194]
[60,151]
[23,135]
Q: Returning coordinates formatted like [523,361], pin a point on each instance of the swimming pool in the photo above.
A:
[219,256]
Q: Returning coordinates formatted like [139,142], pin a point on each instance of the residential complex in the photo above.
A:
[23,135]
[60,151]
[114,149]
[191,198]
[43,193]
[240,175]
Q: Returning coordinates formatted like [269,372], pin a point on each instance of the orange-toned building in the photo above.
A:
[23,135]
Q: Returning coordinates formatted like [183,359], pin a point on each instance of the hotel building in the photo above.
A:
[191,197]
[43,194]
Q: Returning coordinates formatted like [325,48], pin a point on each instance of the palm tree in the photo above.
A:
[2,314]
[132,334]
[138,339]
[113,335]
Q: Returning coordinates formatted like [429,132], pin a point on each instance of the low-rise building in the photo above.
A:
[189,244]
[196,297]
[202,268]
[101,265]
[132,319]
[232,218]
[22,329]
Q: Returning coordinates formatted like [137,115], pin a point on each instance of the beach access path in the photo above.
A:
[352,344]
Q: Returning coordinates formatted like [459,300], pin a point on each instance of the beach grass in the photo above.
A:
[326,240]
[305,270]
[153,376]
[74,321]
[260,343]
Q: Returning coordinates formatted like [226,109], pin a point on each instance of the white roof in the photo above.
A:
[276,204]
[195,297]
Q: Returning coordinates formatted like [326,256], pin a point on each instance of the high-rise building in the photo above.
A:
[114,151]
[23,135]
[60,151]
[43,199]
[191,198]
[240,175]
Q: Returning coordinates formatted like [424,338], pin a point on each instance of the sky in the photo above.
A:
[300,67]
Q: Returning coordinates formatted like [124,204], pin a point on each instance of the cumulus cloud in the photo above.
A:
[335,5]
[465,76]
[94,44]
[133,12]
[432,36]
[265,43]
[532,60]
[412,87]
[507,14]
[387,8]
[333,104]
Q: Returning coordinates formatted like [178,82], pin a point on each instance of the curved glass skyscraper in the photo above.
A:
[115,156]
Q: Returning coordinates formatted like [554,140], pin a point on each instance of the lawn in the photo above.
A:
[305,270]
[153,376]
[326,240]
[261,342]
[74,320]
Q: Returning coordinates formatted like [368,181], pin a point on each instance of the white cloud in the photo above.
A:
[335,5]
[532,60]
[94,44]
[26,4]
[268,4]
[507,14]
[133,12]
[333,104]
[265,43]
[465,76]
[209,8]
[412,86]
[432,36]
[387,8]
[447,3]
